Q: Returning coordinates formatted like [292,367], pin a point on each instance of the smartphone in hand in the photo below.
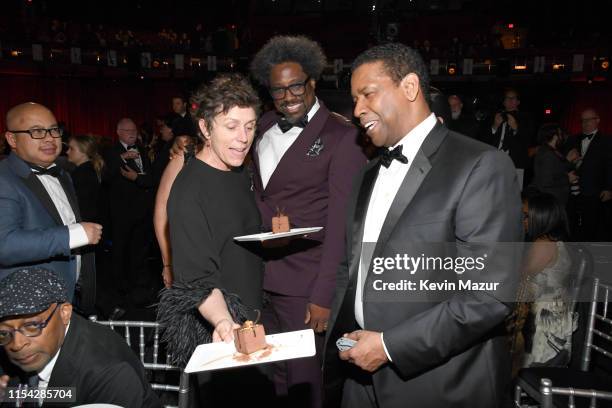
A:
[344,343]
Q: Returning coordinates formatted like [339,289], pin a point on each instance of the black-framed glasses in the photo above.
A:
[31,329]
[296,90]
[40,133]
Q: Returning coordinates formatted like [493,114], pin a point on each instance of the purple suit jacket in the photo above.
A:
[313,191]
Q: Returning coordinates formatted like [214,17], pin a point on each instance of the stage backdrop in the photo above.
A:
[90,105]
[95,105]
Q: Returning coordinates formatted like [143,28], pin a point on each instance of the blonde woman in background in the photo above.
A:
[87,175]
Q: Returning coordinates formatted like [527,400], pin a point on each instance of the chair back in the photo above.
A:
[152,362]
[582,264]
[600,322]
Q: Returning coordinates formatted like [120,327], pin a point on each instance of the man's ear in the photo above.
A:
[66,313]
[10,139]
[410,86]
[313,83]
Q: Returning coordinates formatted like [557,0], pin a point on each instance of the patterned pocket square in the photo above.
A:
[316,148]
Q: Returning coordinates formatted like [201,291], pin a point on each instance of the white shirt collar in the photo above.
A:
[45,373]
[125,146]
[313,110]
[414,139]
[52,165]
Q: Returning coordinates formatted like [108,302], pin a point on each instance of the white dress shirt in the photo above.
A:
[274,144]
[385,189]
[76,232]
[44,376]
[138,160]
[586,142]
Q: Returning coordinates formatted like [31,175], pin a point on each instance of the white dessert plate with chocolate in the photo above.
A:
[264,236]
[281,346]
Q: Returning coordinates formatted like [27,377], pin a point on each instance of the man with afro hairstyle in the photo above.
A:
[304,159]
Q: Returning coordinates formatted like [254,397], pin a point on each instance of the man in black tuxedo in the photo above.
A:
[436,190]
[47,346]
[182,123]
[593,191]
[461,121]
[511,131]
[131,200]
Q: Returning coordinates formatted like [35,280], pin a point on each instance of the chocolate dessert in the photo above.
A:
[250,337]
[280,223]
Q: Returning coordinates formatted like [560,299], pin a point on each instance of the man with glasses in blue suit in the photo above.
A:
[40,221]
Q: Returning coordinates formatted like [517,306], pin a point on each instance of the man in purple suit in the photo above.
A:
[305,158]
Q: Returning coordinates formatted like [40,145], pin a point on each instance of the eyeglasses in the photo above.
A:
[55,132]
[31,329]
[296,90]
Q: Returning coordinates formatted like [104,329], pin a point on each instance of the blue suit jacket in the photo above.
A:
[31,229]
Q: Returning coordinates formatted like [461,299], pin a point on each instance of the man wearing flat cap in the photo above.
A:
[47,346]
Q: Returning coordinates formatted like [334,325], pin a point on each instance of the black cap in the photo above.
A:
[30,290]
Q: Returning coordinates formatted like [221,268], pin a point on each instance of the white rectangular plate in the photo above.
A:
[283,346]
[264,236]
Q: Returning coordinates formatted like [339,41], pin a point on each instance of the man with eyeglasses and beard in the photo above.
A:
[50,348]
[305,158]
[40,221]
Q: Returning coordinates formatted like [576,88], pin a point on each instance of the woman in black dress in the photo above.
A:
[217,282]
[83,152]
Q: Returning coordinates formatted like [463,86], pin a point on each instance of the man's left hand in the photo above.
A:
[605,195]
[369,352]
[317,316]
[128,173]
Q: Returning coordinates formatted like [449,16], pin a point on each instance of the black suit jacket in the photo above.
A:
[595,172]
[97,362]
[516,143]
[550,173]
[446,350]
[465,124]
[129,199]
[183,125]
[87,188]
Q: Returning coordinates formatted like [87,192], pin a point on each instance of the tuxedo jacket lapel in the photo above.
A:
[593,147]
[70,194]
[361,208]
[298,149]
[417,173]
[34,184]
[411,184]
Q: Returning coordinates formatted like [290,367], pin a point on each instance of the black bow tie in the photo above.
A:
[285,125]
[130,147]
[590,137]
[49,171]
[387,156]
